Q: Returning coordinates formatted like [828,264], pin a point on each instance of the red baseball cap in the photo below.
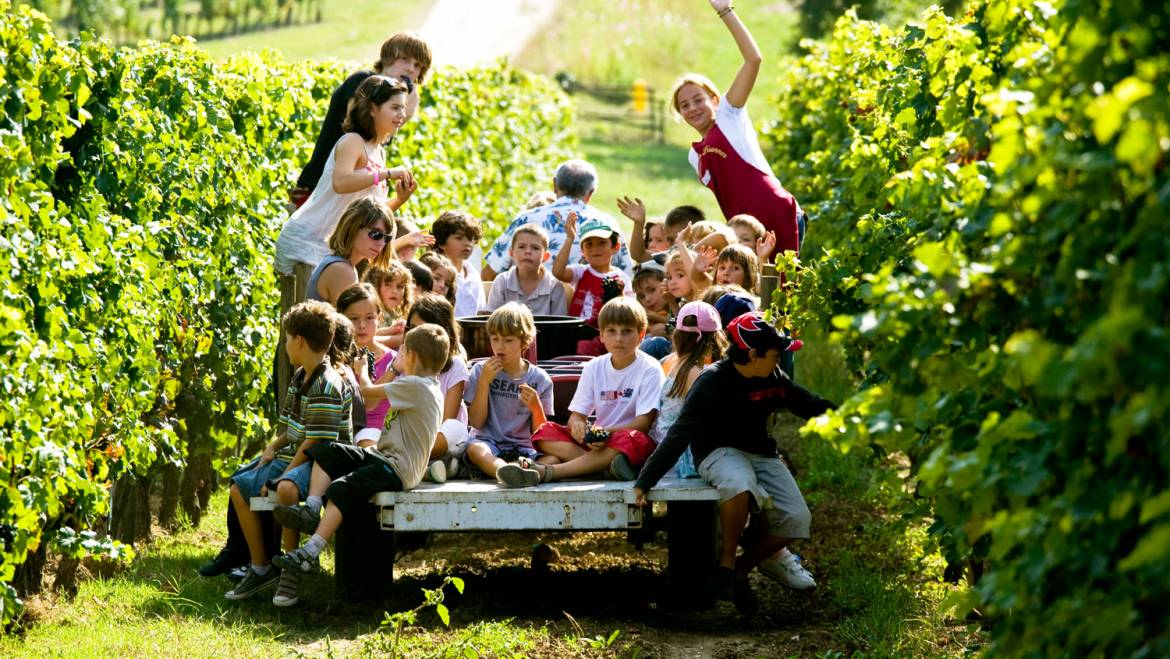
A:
[750,331]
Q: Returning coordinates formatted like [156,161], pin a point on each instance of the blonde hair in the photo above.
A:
[675,261]
[530,229]
[750,222]
[362,214]
[393,270]
[538,199]
[622,312]
[745,258]
[430,345]
[700,230]
[513,319]
[689,79]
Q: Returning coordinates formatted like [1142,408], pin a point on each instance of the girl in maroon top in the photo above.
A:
[727,156]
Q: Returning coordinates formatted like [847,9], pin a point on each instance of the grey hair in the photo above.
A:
[575,178]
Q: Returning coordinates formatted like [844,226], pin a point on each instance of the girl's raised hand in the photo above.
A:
[765,245]
[720,5]
[398,327]
[399,174]
[635,210]
[705,258]
[680,240]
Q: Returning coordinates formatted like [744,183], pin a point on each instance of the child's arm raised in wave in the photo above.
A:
[636,211]
[560,267]
[745,79]
[703,260]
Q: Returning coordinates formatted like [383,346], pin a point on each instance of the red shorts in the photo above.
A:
[634,444]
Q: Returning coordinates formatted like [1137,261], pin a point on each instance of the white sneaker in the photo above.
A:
[785,567]
[437,472]
[454,467]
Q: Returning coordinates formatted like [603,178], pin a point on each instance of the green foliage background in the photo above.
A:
[142,191]
[989,238]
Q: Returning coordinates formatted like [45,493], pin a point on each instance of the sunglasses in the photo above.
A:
[387,87]
[378,235]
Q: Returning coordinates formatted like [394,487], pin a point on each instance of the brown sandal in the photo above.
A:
[545,471]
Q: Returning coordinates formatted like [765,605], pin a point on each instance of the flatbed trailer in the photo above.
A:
[461,506]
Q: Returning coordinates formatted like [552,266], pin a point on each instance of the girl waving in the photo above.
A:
[727,156]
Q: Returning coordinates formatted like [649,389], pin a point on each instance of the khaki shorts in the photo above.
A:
[774,491]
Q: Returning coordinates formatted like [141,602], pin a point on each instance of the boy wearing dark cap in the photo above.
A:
[737,456]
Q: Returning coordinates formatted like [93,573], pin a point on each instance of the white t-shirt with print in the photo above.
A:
[617,397]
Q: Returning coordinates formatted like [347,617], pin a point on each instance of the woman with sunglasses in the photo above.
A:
[357,169]
[363,236]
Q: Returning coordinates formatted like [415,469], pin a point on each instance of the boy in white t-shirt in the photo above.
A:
[596,281]
[622,389]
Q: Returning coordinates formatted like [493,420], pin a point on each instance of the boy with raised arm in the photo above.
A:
[397,463]
[596,281]
[725,422]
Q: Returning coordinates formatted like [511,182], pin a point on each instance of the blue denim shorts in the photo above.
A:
[507,453]
[252,477]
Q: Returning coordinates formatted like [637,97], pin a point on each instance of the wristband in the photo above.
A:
[725,11]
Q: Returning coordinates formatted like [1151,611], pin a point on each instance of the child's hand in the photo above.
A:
[705,258]
[417,239]
[765,245]
[398,327]
[658,329]
[635,210]
[361,367]
[529,397]
[490,368]
[400,174]
[639,497]
[680,240]
[578,428]
[571,226]
[268,455]
[403,189]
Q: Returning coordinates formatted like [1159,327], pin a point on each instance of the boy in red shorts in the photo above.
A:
[622,388]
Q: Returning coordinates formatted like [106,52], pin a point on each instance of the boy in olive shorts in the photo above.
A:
[736,455]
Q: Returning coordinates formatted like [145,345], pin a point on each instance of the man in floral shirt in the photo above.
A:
[574,183]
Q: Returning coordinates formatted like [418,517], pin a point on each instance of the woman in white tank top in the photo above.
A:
[356,168]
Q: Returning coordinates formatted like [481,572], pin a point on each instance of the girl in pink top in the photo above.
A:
[727,156]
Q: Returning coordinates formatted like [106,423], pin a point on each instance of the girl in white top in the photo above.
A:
[356,169]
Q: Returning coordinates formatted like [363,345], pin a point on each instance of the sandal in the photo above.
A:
[513,475]
[545,471]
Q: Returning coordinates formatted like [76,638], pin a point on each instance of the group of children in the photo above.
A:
[383,396]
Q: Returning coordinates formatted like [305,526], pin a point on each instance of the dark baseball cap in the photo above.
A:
[730,305]
[751,331]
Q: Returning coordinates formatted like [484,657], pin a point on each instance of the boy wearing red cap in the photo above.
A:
[737,456]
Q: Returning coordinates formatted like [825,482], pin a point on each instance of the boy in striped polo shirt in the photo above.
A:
[316,409]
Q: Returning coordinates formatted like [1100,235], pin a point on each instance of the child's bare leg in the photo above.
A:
[440,448]
[562,451]
[584,464]
[756,550]
[288,495]
[329,522]
[318,482]
[733,514]
[481,456]
[250,525]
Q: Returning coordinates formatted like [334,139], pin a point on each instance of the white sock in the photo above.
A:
[313,504]
[261,569]
[315,545]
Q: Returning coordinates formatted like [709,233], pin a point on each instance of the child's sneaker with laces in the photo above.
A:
[785,568]
[252,583]
[437,472]
[298,517]
[297,560]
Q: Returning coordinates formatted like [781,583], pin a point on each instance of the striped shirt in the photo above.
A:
[318,407]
